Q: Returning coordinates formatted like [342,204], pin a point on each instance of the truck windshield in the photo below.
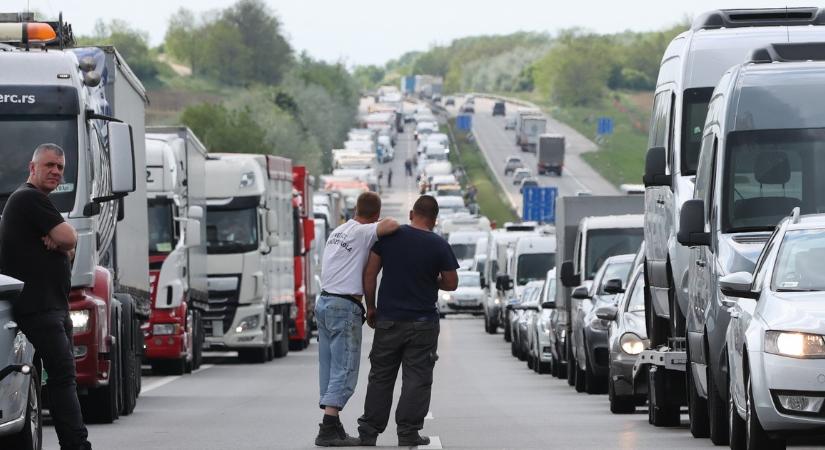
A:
[161,227]
[798,266]
[231,230]
[694,111]
[463,251]
[20,136]
[604,243]
[534,266]
[770,172]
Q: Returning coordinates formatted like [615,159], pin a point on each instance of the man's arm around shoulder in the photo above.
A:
[386,227]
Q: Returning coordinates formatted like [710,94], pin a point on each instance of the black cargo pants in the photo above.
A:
[411,346]
[51,334]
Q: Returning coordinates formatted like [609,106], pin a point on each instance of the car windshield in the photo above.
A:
[798,265]
[636,302]
[463,251]
[534,266]
[617,270]
[604,243]
[231,230]
[161,227]
[695,110]
[21,135]
[770,172]
[469,279]
[549,291]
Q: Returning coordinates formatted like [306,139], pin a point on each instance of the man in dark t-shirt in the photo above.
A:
[36,247]
[416,263]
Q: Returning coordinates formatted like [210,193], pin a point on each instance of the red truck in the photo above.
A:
[300,325]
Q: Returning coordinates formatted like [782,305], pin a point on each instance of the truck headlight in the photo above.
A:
[248,323]
[80,320]
[795,345]
[164,329]
[631,344]
[445,297]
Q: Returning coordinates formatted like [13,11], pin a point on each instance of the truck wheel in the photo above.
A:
[717,413]
[697,406]
[31,435]
[102,404]
[660,412]
[280,325]
[129,353]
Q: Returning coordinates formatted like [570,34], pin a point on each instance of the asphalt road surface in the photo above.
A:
[482,397]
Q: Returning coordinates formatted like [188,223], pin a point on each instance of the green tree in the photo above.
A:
[226,58]
[576,70]
[224,130]
[260,30]
[183,39]
[368,77]
[132,43]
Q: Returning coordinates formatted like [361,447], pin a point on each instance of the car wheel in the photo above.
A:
[580,379]
[31,435]
[593,384]
[619,405]
[755,435]
[513,348]
[717,413]
[661,413]
[736,424]
[697,407]
[571,366]
[507,336]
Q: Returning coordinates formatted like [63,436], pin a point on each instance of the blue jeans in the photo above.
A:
[339,349]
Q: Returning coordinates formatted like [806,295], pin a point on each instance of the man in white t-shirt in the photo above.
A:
[339,313]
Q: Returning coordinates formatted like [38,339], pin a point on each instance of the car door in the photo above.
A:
[14,349]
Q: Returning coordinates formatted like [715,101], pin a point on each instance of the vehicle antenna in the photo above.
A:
[795,215]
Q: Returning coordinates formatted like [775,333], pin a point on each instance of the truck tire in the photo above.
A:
[129,353]
[697,406]
[31,435]
[281,348]
[660,412]
[717,413]
[102,404]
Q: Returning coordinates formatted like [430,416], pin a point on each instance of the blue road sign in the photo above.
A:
[539,204]
[464,122]
[605,125]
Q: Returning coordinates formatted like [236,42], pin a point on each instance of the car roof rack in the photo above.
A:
[759,17]
[787,52]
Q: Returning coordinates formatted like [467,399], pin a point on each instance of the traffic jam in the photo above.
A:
[697,296]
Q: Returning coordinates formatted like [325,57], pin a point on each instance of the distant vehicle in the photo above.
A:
[528,130]
[450,204]
[538,329]
[466,298]
[449,101]
[448,189]
[527,182]
[512,163]
[499,244]
[775,342]
[550,154]
[470,100]
[436,98]
[499,109]
[510,123]
[468,108]
[423,129]
[463,243]
[521,174]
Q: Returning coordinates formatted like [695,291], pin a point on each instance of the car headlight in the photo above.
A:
[164,329]
[248,323]
[795,345]
[544,325]
[599,324]
[445,297]
[631,344]
[80,320]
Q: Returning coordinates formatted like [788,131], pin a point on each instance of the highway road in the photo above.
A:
[498,143]
[482,397]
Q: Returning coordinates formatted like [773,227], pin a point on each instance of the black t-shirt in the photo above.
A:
[29,215]
[412,260]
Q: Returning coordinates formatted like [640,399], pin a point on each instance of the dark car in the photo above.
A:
[468,108]
[499,109]
[449,101]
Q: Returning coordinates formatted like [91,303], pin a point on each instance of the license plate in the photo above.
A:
[217,328]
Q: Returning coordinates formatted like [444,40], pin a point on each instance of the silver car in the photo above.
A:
[627,338]
[516,311]
[21,424]
[538,329]
[465,299]
[776,338]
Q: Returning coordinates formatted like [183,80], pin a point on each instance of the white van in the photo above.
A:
[464,244]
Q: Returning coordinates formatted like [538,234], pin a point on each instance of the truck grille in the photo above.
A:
[220,308]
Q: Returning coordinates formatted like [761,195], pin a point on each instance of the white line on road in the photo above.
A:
[435,443]
[154,384]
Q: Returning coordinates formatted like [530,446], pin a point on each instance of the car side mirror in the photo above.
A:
[608,312]
[738,284]
[656,168]
[568,276]
[548,305]
[613,286]
[581,293]
[692,224]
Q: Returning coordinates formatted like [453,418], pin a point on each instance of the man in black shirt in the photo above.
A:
[36,247]
[416,263]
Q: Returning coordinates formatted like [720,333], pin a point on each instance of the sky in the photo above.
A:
[374,31]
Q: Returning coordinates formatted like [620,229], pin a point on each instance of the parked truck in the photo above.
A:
[89,102]
[250,231]
[550,154]
[528,130]
[176,189]
[576,265]
[300,327]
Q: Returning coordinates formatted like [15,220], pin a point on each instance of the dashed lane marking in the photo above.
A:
[435,443]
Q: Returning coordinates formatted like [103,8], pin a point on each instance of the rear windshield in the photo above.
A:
[604,243]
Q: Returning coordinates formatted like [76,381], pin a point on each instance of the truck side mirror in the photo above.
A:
[613,286]
[271,221]
[193,233]
[656,168]
[692,224]
[483,281]
[568,276]
[548,305]
[121,158]
[272,240]
[581,293]
[503,282]
[195,212]
[608,313]
[738,284]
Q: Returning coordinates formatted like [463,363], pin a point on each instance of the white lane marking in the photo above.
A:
[429,416]
[151,386]
[569,173]
[435,443]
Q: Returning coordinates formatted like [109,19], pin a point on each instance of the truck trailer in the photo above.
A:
[176,187]
[300,327]
[550,154]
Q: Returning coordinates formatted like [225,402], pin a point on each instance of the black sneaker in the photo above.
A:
[367,440]
[333,435]
[412,440]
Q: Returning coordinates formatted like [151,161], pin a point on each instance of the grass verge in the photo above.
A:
[491,200]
